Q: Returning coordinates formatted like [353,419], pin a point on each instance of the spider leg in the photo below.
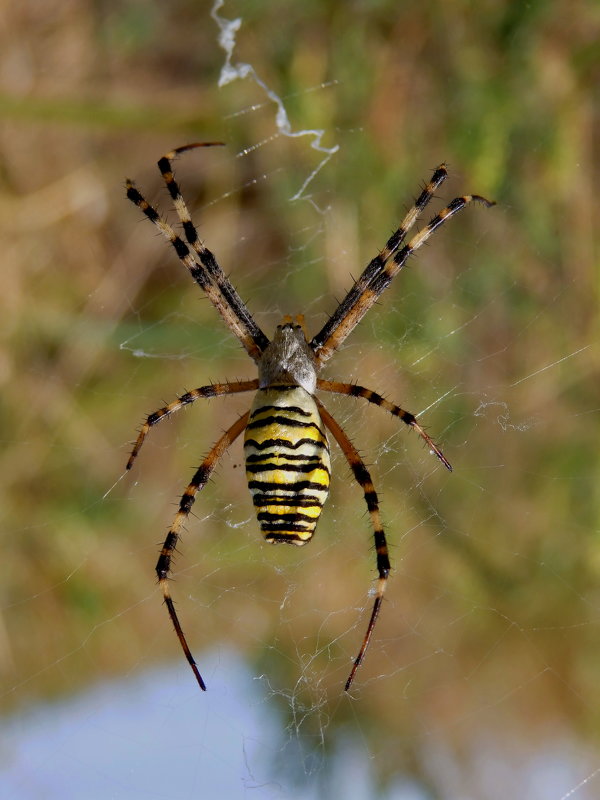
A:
[380,272]
[353,390]
[363,477]
[377,264]
[163,565]
[207,259]
[206,272]
[212,390]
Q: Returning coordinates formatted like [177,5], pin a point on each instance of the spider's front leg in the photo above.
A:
[353,390]
[163,566]
[212,390]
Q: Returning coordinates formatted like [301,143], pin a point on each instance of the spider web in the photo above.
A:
[472,684]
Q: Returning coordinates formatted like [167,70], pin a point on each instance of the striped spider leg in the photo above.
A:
[163,566]
[354,390]
[373,281]
[287,457]
[203,267]
[206,272]
[380,271]
[212,390]
[363,478]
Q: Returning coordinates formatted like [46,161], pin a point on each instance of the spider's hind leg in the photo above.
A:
[163,566]
[363,477]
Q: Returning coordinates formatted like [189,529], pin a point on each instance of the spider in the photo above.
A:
[285,440]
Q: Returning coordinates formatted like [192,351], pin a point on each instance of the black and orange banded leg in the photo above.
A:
[377,264]
[163,565]
[380,272]
[363,478]
[212,390]
[207,259]
[205,271]
[353,390]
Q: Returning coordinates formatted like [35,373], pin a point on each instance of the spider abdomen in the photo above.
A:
[287,463]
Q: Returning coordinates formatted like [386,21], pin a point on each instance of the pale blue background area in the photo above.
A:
[156,736]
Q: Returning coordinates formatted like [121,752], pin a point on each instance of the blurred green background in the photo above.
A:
[491,625]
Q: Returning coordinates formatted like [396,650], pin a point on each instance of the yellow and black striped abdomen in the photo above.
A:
[287,463]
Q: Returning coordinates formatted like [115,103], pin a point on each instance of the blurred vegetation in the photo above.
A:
[492,616]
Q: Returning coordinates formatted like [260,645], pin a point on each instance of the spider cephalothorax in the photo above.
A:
[288,358]
[285,442]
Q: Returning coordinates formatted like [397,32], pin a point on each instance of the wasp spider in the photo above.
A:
[285,440]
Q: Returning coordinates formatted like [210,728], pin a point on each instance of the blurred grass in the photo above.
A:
[495,588]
